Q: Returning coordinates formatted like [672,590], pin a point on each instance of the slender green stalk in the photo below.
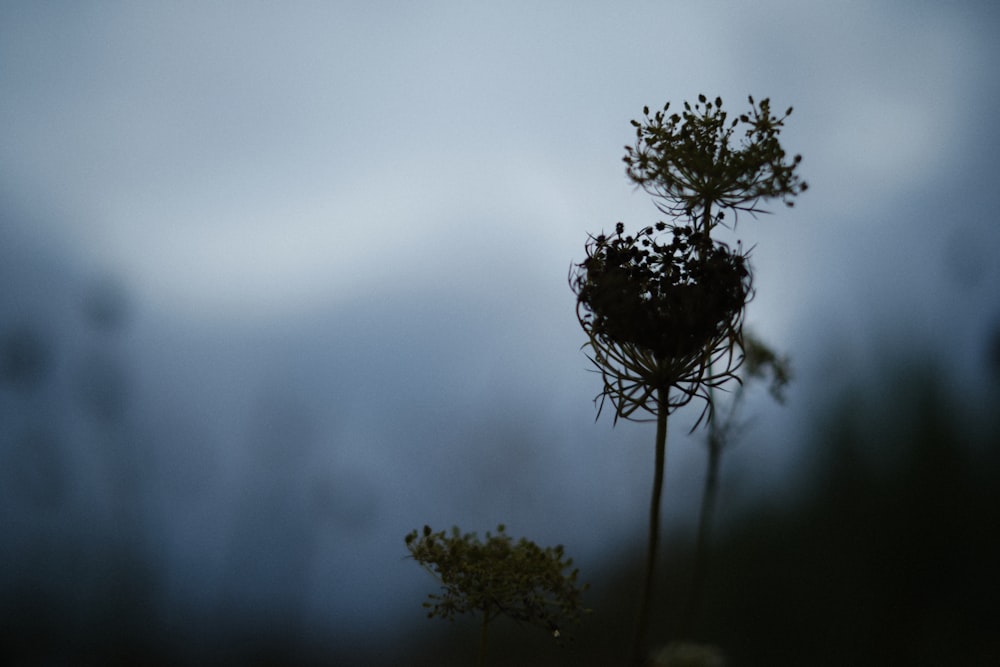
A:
[639,648]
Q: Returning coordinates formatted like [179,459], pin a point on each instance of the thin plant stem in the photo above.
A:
[718,437]
[481,662]
[706,512]
[706,220]
[709,493]
[639,648]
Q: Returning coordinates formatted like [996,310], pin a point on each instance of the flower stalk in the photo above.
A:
[663,309]
[642,624]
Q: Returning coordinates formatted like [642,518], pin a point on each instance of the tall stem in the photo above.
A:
[715,442]
[706,220]
[718,437]
[639,648]
[481,662]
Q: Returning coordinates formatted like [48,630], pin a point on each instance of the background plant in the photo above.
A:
[664,319]
[761,364]
[499,577]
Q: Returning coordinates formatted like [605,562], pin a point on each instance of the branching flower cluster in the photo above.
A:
[499,577]
[660,314]
[687,162]
[663,309]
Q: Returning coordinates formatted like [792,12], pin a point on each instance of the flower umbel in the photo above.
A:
[499,577]
[689,163]
[661,315]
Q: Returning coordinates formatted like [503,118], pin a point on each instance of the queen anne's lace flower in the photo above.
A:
[663,310]
[690,165]
[661,315]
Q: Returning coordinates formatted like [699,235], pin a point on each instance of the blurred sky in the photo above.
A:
[342,232]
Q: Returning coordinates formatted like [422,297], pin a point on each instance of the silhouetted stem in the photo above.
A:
[718,436]
[715,442]
[706,220]
[639,649]
[707,511]
[481,662]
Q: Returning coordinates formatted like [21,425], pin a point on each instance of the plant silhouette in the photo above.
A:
[498,577]
[663,309]
[761,363]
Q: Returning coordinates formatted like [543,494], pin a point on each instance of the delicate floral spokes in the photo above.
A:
[634,389]
[691,164]
[499,576]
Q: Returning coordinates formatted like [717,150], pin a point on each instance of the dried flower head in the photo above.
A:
[661,315]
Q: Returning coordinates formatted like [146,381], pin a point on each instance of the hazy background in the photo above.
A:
[281,282]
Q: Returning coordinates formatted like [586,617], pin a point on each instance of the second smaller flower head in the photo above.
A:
[693,166]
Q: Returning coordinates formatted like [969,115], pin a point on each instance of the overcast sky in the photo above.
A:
[364,214]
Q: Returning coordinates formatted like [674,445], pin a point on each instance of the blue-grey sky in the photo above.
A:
[343,233]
